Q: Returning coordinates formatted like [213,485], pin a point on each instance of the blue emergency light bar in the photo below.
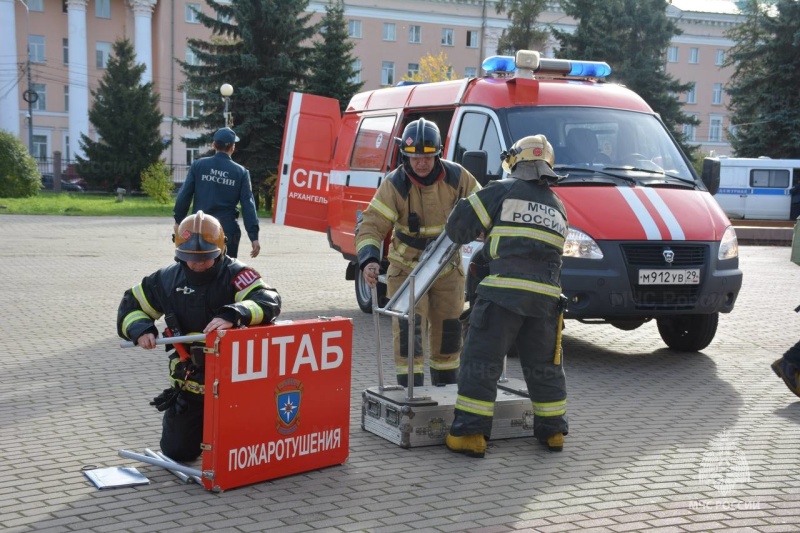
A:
[566,67]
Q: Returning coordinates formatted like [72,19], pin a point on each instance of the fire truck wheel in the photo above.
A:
[364,294]
[688,333]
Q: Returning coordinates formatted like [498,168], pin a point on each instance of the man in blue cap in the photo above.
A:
[216,185]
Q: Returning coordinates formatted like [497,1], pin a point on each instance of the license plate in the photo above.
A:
[687,276]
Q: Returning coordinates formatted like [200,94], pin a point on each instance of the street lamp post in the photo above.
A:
[226,90]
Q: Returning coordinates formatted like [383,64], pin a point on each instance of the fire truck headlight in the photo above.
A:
[729,245]
[581,246]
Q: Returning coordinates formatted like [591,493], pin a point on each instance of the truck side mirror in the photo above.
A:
[475,162]
[710,175]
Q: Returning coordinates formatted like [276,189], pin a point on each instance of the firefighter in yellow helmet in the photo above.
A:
[413,203]
[519,302]
[204,290]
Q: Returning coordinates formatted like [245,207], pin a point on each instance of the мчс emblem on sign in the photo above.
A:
[288,394]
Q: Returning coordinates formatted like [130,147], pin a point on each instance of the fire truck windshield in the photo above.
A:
[597,138]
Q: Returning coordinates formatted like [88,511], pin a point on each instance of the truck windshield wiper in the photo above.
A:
[656,172]
[589,170]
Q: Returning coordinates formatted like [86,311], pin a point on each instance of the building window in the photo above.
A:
[689,130]
[470,72]
[716,97]
[389,31]
[65,48]
[355,71]
[36,5]
[191,13]
[472,39]
[192,107]
[39,146]
[66,98]
[387,73]
[354,29]
[41,103]
[36,42]
[102,9]
[192,154]
[694,55]
[63,6]
[715,129]
[691,95]
[102,53]
[719,59]
[448,37]
[415,34]
[672,54]
[66,153]
[191,57]
[413,68]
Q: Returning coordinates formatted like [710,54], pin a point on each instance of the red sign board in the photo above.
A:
[277,400]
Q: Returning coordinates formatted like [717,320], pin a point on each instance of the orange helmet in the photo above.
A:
[199,238]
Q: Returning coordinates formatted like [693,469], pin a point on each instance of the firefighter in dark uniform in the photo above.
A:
[414,201]
[524,225]
[203,291]
[216,185]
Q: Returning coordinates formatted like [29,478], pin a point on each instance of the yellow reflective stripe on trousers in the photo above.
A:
[189,386]
[521,285]
[529,233]
[477,407]
[558,408]
[403,369]
[138,293]
[444,365]
[132,317]
[480,210]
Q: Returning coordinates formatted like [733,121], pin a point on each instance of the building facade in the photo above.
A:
[62,47]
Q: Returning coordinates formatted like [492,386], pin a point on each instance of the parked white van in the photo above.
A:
[755,188]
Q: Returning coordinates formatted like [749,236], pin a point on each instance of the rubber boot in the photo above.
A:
[554,443]
[419,379]
[788,373]
[469,445]
[440,378]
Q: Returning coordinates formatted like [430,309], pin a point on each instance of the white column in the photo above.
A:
[10,87]
[143,35]
[78,75]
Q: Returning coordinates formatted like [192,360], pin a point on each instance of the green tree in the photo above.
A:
[127,119]
[157,182]
[19,174]
[523,33]
[632,36]
[260,48]
[332,58]
[764,97]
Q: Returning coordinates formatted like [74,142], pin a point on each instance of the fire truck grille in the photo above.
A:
[651,255]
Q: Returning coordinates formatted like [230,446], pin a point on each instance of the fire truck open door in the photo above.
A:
[309,138]
[277,400]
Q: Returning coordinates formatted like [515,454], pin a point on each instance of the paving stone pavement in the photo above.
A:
[644,421]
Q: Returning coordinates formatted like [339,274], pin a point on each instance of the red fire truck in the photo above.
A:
[647,241]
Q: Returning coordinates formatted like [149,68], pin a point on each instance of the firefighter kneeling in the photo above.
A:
[518,302]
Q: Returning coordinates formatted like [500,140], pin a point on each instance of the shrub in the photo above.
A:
[157,182]
[19,174]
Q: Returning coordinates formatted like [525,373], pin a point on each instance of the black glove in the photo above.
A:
[166,399]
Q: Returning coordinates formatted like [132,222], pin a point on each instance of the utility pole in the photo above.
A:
[29,95]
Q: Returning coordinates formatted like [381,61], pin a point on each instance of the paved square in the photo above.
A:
[652,432]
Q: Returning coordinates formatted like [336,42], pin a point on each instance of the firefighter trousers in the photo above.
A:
[493,330]
[439,308]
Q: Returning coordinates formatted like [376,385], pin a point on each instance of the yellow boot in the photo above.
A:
[555,443]
[469,445]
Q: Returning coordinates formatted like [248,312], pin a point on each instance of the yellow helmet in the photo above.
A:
[199,237]
[531,148]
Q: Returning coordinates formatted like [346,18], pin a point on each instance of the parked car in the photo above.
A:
[47,184]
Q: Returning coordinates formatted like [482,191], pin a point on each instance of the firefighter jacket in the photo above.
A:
[416,213]
[525,227]
[236,293]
